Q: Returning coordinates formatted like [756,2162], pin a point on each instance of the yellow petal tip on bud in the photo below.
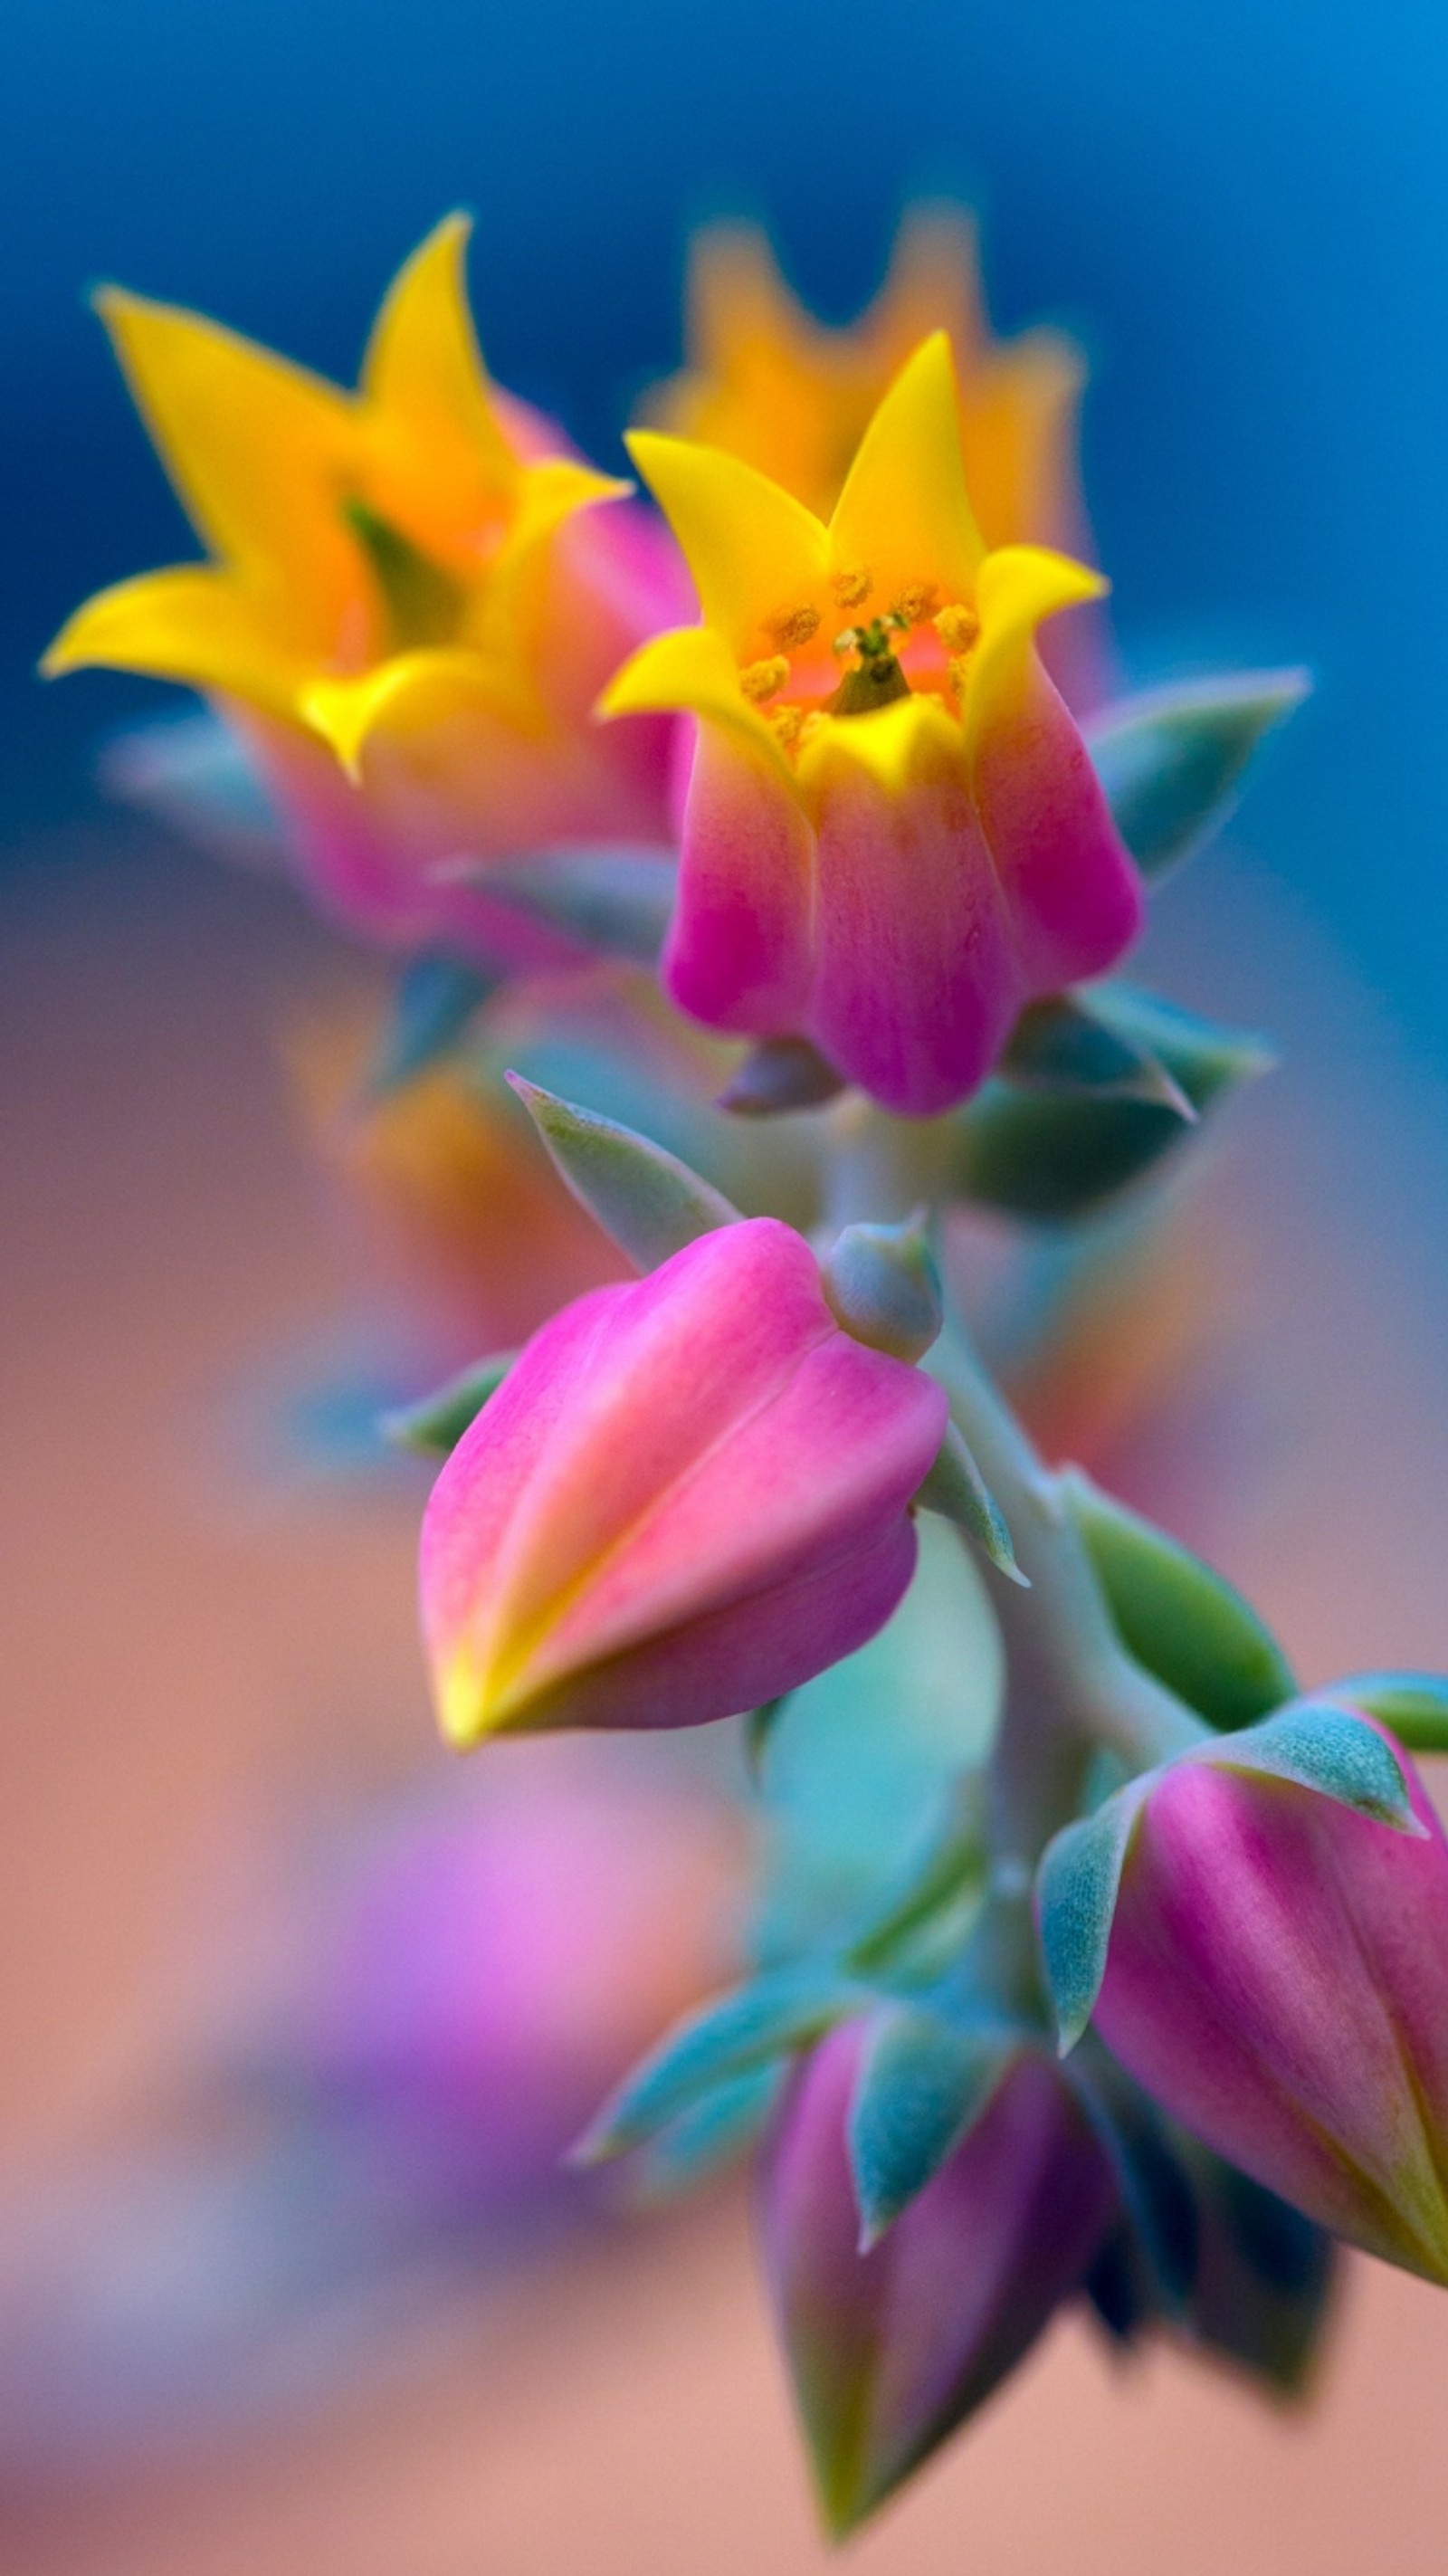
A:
[763,680]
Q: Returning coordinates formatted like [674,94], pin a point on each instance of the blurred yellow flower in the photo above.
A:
[410,604]
[770,383]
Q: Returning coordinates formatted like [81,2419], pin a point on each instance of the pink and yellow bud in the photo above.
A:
[1277,1977]
[895,843]
[891,2349]
[411,602]
[690,1494]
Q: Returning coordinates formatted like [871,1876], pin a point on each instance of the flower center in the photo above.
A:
[876,679]
[915,646]
[421,602]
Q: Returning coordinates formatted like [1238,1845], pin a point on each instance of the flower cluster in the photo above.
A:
[1144,2002]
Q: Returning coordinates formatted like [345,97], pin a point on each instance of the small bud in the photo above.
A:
[780,1074]
[690,1494]
[891,2349]
[1260,1931]
[882,1285]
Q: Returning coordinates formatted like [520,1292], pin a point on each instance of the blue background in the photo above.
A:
[1242,207]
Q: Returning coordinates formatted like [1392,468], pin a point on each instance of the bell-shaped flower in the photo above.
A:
[893,836]
[690,1494]
[891,2348]
[411,603]
[1259,1931]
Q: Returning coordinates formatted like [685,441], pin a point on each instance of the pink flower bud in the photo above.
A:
[890,2350]
[1278,1977]
[691,1493]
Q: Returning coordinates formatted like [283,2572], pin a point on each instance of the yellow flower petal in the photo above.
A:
[424,686]
[258,450]
[1016,588]
[691,670]
[548,495]
[433,432]
[755,552]
[423,361]
[887,743]
[191,624]
[904,516]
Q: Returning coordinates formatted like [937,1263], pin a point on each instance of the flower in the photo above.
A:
[412,601]
[771,384]
[1277,1977]
[892,2348]
[893,837]
[690,1494]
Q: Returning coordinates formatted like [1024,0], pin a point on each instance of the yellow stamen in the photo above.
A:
[957,627]
[762,680]
[787,724]
[794,626]
[852,587]
[917,602]
[959,671]
[812,725]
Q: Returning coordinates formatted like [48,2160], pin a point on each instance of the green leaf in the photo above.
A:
[1319,1746]
[435,1002]
[922,2085]
[650,1202]
[712,2134]
[1056,1156]
[783,2010]
[1076,1888]
[1067,1044]
[1170,760]
[956,1489]
[1414,1705]
[779,1075]
[434,1426]
[1184,1622]
[617,901]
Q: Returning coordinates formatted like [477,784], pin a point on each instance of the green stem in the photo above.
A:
[877,1169]
[1071,1685]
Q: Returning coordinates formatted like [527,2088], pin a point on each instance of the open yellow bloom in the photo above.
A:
[894,837]
[410,602]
